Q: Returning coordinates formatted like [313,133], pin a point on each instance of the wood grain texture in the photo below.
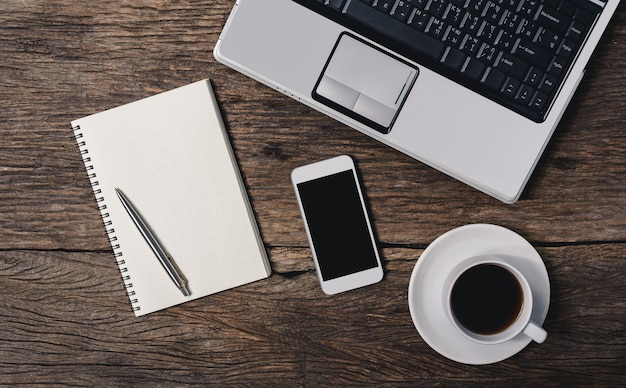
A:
[64,317]
[67,320]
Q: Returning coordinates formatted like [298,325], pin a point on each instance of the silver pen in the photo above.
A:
[164,258]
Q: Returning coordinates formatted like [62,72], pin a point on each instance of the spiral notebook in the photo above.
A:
[171,155]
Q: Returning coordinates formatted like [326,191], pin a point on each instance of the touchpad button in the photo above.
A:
[365,83]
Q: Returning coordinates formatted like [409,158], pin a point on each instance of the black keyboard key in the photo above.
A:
[531,53]
[488,32]
[487,54]
[547,84]
[473,68]
[470,45]
[557,66]
[477,6]
[384,5]
[566,49]
[554,4]
[551,19]
[336,4]
[528,8]
[419,19]
[437,7]
[454,15]
[527,29]
[533,77]
[538,101]
[567,8]
[511,65]
[510,87]
[407,35]
[436,28]
[524,94]
[504,41]
[453,58]
[493,78]
[453,37]
[510,4]
[420,4]
[583,16]
[402,11]
[575,31]
[493,12]
[547,38]
[471,24]
[510,21]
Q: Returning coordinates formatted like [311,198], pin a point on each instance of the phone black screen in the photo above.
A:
[337,225]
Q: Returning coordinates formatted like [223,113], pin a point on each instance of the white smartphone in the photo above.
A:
[337,225]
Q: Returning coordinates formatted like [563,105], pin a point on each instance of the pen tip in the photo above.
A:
[185,291]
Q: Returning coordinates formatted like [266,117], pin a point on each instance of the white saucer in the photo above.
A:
[426,288]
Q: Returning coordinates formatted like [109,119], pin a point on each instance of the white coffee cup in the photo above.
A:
[489,301]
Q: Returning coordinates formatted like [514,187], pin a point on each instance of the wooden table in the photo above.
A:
[64,317]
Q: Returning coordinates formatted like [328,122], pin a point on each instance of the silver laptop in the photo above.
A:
[473,88]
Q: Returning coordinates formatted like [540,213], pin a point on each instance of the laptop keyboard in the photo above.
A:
[515,52]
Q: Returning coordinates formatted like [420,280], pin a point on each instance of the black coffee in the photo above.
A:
[486,299]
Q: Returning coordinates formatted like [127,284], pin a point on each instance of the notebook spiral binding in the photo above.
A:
[108,224]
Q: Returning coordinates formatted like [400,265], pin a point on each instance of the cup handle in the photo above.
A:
[535,332]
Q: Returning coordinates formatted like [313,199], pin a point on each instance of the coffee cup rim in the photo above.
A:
[518,324]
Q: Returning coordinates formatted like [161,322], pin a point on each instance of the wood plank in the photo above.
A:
[66,320]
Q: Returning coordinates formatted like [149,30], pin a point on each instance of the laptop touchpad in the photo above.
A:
[365,83]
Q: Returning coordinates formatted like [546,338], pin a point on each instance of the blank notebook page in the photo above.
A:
[170,155]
